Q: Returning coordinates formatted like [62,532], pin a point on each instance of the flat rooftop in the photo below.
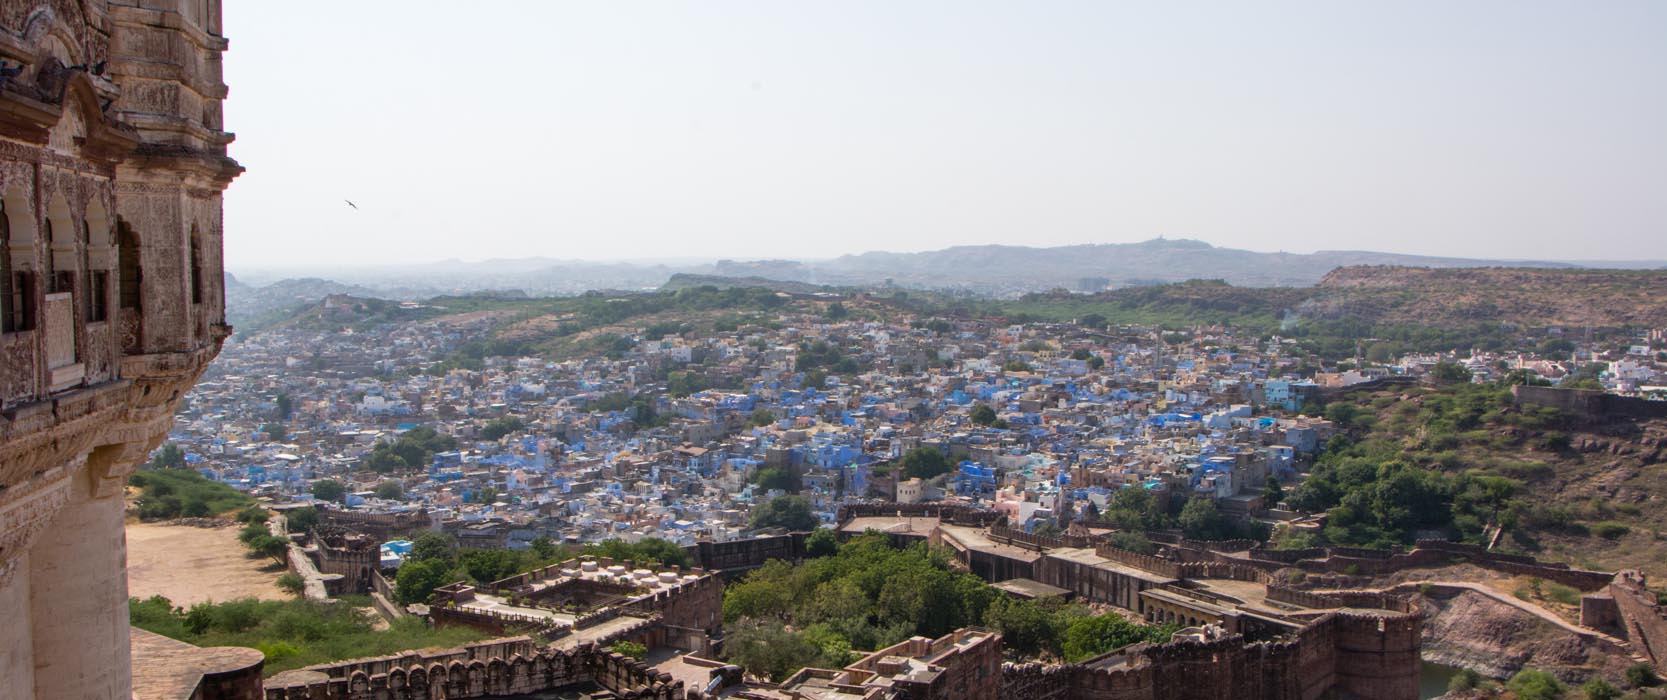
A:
[1028,588]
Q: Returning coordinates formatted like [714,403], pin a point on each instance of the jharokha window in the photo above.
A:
[97,286]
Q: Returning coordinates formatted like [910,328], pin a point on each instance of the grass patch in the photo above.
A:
[1566,595]
[291,633]
[1610,530]
[176,493]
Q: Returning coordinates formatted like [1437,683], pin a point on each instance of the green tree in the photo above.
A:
[284,406]
[544,549]
[433,546]
[1596,688]
[1135,508]
[390,490]
[302,519]
[821,543]
[924,463]
[791,512]
[1032,627]
[1200,520]
[1096,363]
[418,579]
[497,428]
[784,478]
[1272,493]
[1091,636]
[761,417]
[1464,681]
[982,414]
[1449,372]
[170,456]
[328,490]
[1532,684]
[267,545]
[275,431]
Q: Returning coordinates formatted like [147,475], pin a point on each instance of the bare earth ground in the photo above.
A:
[193,564]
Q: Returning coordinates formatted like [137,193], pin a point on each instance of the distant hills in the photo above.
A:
[992,271]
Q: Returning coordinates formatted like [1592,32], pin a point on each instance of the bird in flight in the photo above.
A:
[351,204]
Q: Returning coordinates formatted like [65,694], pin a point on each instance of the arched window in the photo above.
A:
[51,263]
[17,287]
[127,266]
[196,267]
[97,286]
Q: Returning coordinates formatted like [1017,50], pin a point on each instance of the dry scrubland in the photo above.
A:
[189,565]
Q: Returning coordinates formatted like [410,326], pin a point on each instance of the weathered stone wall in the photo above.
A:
[1589,404]
[502,671]
[959,515]
[749,553]
[1364,657]
[382,526]
[1643,618]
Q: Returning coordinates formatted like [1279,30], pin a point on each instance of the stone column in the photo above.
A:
[78,593]
[17,657]
[26,509]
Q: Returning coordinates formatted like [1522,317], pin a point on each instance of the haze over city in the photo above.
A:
[753,130]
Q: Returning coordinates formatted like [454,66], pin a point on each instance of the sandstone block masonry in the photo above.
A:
[112,164]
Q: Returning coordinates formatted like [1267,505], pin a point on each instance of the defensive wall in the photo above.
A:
[1367,657]
[381,526]
[1643,620]
[500,668]
[750,553]
[1589,404]
[953,514]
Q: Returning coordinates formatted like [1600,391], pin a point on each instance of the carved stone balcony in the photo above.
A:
[60,342]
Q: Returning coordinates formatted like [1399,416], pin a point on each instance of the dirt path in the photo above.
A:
[193,564]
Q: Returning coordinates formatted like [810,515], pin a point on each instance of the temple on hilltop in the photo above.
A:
[112,164]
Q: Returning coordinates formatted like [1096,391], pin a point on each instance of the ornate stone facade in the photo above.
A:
[112,164]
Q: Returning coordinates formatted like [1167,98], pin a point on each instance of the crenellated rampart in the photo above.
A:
[953,514]
[1339,655]
[505,668]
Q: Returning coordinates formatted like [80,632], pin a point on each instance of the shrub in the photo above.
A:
[1464,681]
[1597,689]
[1531,684]
[1610,530]
[1641,676]
[629,648]
[1563,594]
[291,582]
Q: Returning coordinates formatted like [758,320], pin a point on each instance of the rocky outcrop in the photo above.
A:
[1471,630]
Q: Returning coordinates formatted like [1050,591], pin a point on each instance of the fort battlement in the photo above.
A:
[1144,562]
[1643,619]
[1360,656]
[505,670]
[953,514]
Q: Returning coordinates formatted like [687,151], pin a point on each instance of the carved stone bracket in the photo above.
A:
[25,511]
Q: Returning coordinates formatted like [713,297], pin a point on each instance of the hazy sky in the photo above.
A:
[613,129]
